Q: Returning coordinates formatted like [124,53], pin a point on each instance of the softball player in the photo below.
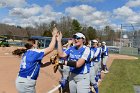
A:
[30,64]
[93,83]
[100,62]
[104,56]
[95,56]
[79,62]
[64,70]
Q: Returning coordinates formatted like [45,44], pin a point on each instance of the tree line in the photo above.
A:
[66,25]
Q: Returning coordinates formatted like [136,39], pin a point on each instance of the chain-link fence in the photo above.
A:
[124,50]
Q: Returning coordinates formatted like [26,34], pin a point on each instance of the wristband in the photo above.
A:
[71,63]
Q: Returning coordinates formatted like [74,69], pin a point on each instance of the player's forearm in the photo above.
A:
[52,44]
[60,51]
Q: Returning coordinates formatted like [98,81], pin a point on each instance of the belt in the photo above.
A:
[28,77]
[96,61]
[79,73]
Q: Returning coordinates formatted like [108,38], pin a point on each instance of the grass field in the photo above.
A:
[123,75]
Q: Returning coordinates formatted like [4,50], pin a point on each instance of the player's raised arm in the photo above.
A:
[60,51]
[52,43]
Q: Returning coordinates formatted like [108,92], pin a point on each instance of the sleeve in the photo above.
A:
[40,54]
[67,51]
[92,53]
[97,52]
[86,53]
[105,49]
[101,49]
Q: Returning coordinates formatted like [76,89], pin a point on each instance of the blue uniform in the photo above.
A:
[79,81]
[64,72]
[74,55]
[30,64]
[100,52]
[104,57]
[94,67]
[29,70]
[105,50]
[100,58]
[95,53]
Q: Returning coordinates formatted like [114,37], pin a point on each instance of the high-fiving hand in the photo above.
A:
[55,31]
[59,37]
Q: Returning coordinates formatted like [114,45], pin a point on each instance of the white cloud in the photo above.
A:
[31,21]
[133,3]
[34,14]
[48,11]
[35,20]
[97,18]
[12,3]
[85,14]
[79,10]
[127,15]
[25,12]
[115,26]
[8,21]
[134,20]
[35,10]
[124,11]
[88,15]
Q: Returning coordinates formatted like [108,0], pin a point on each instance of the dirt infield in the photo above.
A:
[9,66]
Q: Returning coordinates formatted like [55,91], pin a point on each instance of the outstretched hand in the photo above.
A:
[70,42]
[59,36]
[55,31]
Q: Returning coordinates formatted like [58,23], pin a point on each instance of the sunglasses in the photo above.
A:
[76,37]
[94,42]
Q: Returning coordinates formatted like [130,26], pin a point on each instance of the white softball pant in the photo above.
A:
[65,71]
[79,83]
[92,75]
[105,60]
[24,85]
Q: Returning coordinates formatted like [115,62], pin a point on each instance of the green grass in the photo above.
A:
[122,76]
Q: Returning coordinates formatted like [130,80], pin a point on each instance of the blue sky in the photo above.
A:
[90,12]
[104,5]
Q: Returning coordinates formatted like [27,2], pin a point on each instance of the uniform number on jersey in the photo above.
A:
[23,62]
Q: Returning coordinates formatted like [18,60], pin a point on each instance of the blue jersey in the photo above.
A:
[100,51]
[30,63]
[99,55]
[105,50]
[95,54]
[75,54]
